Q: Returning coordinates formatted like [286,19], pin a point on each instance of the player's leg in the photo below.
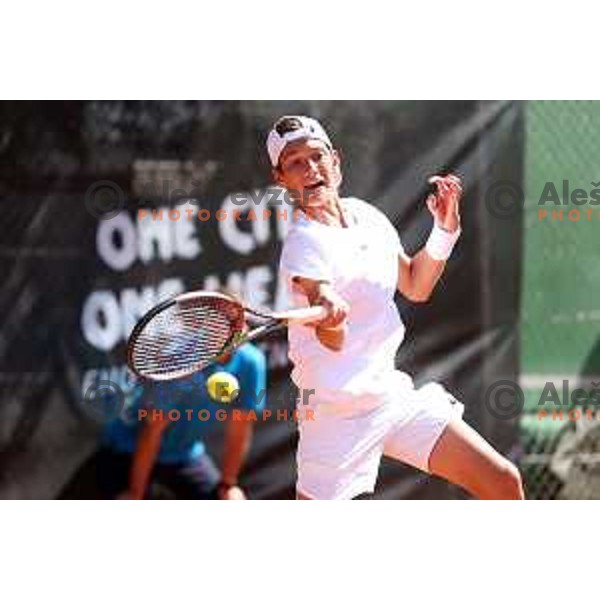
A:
[429,434]
[464,458]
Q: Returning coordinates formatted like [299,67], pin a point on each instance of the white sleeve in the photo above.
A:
[304,255]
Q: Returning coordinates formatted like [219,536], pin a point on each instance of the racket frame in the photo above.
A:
[276,322]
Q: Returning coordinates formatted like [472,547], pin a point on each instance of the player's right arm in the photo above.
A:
[144,457]
[306,267]
[331,331]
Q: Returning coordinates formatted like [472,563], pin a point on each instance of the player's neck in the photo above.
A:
[328,213]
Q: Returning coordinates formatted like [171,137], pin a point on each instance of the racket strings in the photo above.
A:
[183,337]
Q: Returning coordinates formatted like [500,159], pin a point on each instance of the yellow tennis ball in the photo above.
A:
[223,386]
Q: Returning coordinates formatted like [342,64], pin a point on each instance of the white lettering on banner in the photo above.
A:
[155,236]
[122,239]
[116,241]
[108,316]
[106,320]
[187,243]
[173,238]
[251,286]
[101,320]
[242,242]
[212,283]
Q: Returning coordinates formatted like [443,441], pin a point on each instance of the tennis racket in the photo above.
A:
[189,332]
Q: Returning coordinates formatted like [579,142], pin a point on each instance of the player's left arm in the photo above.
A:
[418,276]
[238,433]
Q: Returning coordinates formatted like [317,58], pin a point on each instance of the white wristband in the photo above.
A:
[441,242]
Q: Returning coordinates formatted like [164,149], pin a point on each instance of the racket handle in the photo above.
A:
[308,315]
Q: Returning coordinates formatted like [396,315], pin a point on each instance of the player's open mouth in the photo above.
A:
[315,186]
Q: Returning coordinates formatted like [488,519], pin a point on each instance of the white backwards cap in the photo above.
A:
[310,129]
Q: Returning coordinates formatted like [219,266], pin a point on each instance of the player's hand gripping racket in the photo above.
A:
[187,333]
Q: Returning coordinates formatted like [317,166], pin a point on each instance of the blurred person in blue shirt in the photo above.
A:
[144,445]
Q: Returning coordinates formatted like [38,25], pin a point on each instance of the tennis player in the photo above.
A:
[345,254]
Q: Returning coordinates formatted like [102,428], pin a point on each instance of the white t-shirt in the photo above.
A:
[361,263]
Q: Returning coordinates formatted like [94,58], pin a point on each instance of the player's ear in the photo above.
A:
[336,157]
[277,175]
[337,164]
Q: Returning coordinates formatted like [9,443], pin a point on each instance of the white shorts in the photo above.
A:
[341,447]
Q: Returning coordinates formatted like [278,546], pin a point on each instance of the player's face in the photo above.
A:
[311,170]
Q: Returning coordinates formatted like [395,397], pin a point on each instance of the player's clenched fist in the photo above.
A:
[443,204]
[337,307]
[331,331]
